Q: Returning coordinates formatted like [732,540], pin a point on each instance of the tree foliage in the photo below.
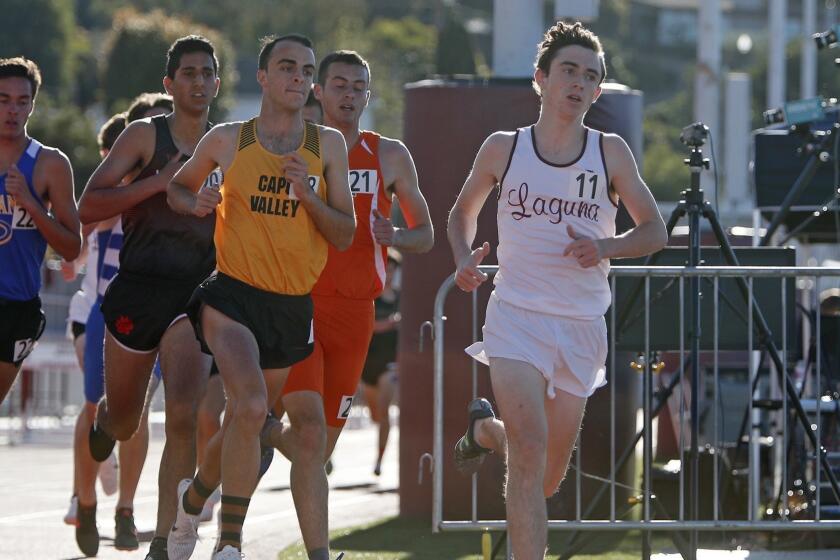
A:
[43,31]
[135,58]
[664,171]
[404,41]
[64,126]
[400,51]
[391,35]
[454,53]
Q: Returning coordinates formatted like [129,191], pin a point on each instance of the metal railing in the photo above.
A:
[777,407]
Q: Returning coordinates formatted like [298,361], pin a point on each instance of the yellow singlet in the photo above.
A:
[264,236]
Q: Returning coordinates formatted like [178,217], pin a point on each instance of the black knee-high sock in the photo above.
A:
[196,495]
[234,509]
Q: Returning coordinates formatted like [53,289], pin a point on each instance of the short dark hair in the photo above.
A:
[111,130]
[20,67]
[186,45]
[312,103]
[562,35]
[267,44]
[146,101]
[344,56]
[311,100]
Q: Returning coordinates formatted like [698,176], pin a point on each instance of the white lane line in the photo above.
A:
[255,520]
[8,520]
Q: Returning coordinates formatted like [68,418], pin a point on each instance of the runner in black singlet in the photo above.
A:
[164,257]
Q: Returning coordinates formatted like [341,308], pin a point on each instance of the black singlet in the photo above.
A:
[160,243]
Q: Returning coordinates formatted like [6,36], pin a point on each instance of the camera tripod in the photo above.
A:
[818,155]
[830,205]
[693,206]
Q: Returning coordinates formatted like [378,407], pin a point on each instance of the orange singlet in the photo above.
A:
[344,294]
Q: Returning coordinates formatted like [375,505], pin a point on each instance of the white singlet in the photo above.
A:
[83,300]
[537,201]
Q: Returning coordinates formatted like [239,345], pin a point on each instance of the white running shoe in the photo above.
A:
[227,553]
[109,475]
[184,534]
[207,511]
[71,517]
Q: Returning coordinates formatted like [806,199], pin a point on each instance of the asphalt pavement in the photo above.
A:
[35,487]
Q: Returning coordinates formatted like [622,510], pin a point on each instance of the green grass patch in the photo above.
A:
[402,539]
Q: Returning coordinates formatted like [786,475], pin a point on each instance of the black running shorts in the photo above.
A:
[21,325]
[138,311]
[77,329]
[281,324]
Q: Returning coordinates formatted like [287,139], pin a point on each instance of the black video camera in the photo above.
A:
[774,116]
[799,112]
[827,38]
[694,135]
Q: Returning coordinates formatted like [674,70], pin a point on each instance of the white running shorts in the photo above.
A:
[570,353]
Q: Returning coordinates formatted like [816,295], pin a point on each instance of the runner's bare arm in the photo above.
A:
[401,174]
[103,196]
[649,235]
[486,173]
[336,220]
[216,149]
[61,230]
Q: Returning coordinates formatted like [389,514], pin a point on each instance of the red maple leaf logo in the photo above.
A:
[124,325]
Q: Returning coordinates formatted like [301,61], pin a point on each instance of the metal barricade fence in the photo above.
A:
[808,281]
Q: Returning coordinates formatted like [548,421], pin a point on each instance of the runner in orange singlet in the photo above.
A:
[380,169]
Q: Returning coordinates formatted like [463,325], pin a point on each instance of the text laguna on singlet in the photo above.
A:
[554,207]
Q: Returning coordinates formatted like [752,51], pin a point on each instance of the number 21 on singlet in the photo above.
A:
[363,181]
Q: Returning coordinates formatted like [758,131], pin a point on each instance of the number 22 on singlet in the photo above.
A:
[22,219]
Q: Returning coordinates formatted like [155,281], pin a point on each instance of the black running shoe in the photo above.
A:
[101,444]
[468,454]
[157,550]
[87,534]
[125,532]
